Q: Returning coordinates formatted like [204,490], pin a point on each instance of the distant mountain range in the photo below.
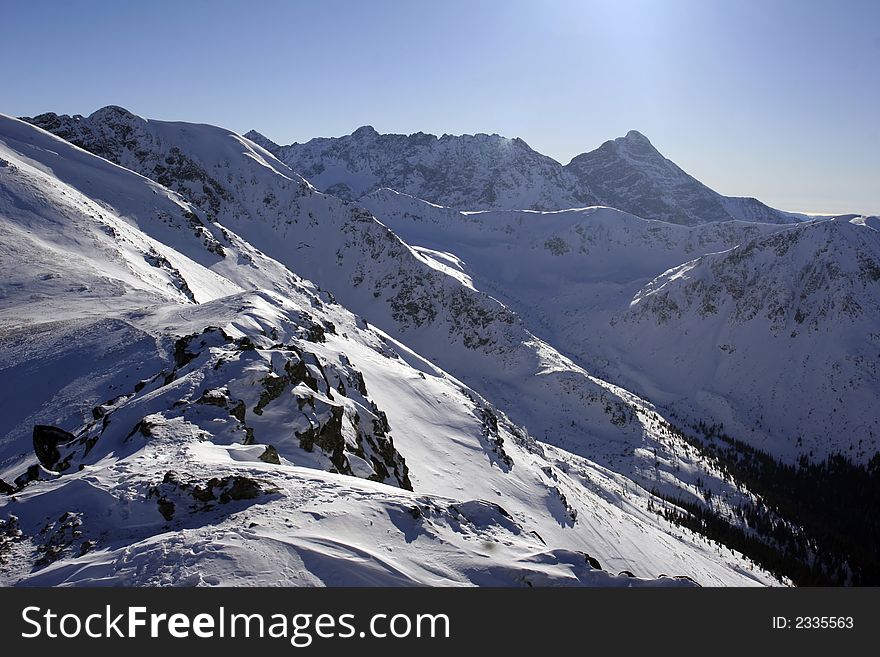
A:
[490,172]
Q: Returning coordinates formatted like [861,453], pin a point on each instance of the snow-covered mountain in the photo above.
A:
[370,270]
[473,172]
[628,173]
[764,345]
[490,172]
[766,329]
[556,269]
[778,336]
[180,407]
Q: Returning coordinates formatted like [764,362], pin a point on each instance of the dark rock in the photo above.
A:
[206,494]
[238,411]
[239,488]
[214,397]
[329,438]
[166,508]
[592,562]
[270,456]
[181,355]
[316,333]
[273,386]
[31,474]
[46,441]
[57,537]
[688,579]
[173,492]
[10,533]
[143,427]
[246,344]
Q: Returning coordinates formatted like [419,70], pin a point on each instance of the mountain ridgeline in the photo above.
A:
[491,172]
[444,347]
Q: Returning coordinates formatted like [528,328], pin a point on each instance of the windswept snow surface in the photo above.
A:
[232,423]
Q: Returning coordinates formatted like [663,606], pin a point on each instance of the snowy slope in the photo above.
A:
[560,271]
[121,207]
[774,338]
[781,339]
[245,435]
[229,510]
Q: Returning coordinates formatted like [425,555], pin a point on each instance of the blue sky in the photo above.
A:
[778,99]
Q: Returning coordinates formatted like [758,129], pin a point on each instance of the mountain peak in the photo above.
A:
[365,131]
[483,171]
[636,136]
[630,174]
[261,140]
[114,111]
[635,142]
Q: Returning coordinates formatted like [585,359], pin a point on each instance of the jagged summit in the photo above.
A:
[633,141]
[261,140]
[630,174]
[633,146]
[481,171]
[365,131]
[637,143]
[103,114]
[635,136]
[113,110]
[477,172]
[492,172]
